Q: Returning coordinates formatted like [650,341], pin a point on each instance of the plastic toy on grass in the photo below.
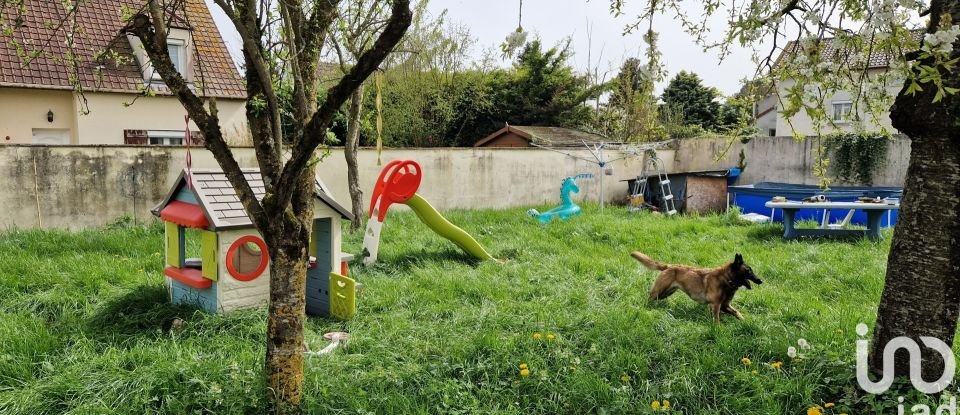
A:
[398,183]
[567,208]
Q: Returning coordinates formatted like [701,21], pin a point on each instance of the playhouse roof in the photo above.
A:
[220,204]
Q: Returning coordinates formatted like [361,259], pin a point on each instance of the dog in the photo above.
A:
[713,286]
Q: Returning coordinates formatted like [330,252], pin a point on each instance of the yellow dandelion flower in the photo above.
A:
[816,410]
[829,405]
[776,365]
[655,405]
[746,361]
[523,366]
[666,405]
[843,413]
[754,372]
[550,336]
[524,372]
[537,336]
[625,377]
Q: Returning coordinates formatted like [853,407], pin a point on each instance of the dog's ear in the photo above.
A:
[737,261]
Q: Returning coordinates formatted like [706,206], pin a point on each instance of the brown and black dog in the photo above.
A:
[713,286]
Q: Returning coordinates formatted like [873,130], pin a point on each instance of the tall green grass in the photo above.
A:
[85,326]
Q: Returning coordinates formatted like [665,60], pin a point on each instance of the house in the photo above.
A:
[203,216]
[762,94]
[768,109]
[42,106]
[529,136]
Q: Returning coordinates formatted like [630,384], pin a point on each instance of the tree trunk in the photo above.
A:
[921,296]
[287,240]
[350,153]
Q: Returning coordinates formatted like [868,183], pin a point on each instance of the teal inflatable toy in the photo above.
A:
[566,209]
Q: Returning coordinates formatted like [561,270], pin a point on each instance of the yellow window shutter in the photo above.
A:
[208,254]
[172,234]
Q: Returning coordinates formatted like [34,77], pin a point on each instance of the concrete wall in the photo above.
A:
[24,109]
[82,186]
[781,159]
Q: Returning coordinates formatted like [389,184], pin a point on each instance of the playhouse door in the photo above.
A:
[318,276]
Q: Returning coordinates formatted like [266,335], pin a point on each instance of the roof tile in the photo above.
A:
[98,29]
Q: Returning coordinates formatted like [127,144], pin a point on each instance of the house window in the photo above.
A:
[166,141]
[160,137]
[772,132]
[841,110]
[165,137]
[176,48]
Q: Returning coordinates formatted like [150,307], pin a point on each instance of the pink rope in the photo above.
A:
[187,141]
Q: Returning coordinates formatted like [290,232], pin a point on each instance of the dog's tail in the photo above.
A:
[647,261]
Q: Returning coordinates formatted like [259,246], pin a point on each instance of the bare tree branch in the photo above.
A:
[315,129]
[143,26]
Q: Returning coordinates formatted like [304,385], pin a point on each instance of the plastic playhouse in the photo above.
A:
[398,183]
[233,269]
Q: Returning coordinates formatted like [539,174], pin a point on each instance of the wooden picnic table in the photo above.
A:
[874,213]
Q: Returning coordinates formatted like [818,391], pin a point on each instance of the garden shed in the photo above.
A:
[694,191]
[532,136]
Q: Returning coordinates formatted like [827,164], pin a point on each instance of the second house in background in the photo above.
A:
[767,110]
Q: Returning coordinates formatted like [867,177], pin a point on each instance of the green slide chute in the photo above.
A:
[435,221]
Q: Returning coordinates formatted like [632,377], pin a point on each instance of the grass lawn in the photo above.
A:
[85,326]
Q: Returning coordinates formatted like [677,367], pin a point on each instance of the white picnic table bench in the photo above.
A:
[874,213]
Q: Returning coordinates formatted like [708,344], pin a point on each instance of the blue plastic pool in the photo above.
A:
[751,199]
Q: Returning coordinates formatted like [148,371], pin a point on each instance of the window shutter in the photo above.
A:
[172,236]
[208,254]
[135,137]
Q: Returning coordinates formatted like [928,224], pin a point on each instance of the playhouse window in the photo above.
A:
[247,258]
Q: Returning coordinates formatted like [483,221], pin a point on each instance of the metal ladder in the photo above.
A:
[640,185]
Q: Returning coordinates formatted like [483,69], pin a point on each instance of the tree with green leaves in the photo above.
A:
[697,102]
[542,89]
[836,42]
[354,33]
[633,106]
[736,118]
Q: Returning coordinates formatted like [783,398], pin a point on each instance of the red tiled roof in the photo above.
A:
[832,51]
[98,26]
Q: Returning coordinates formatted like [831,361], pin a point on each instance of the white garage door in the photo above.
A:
[51,136]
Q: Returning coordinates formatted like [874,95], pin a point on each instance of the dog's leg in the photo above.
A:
[727,308]
[662,287]
[715,308]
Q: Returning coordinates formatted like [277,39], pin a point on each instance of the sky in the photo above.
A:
[593,30]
